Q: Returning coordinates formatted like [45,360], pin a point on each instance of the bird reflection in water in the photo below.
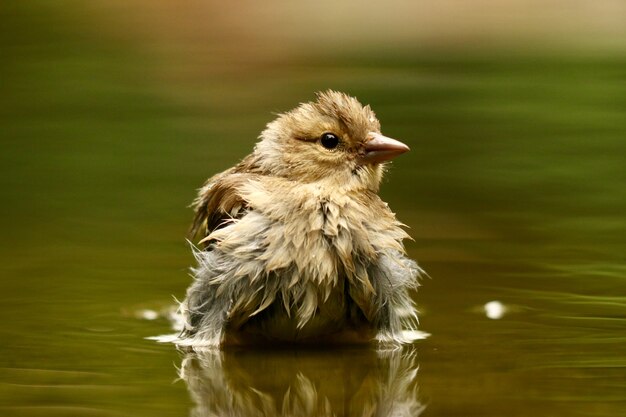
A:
[345,382]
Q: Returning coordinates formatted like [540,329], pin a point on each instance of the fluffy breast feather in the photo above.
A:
[296,243]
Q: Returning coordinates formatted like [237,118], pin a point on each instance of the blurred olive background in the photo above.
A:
[113,112]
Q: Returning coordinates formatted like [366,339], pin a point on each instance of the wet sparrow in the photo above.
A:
[298,246]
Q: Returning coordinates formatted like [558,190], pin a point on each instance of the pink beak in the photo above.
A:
[381,148]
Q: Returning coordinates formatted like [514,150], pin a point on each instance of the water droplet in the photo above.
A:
[494,310]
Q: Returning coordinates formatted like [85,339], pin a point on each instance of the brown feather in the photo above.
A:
[218,200]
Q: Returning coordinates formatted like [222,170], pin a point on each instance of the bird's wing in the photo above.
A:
[219,201]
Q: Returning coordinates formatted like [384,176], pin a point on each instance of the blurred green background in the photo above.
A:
[112,113]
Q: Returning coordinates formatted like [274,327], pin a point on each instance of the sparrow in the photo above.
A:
[296,245]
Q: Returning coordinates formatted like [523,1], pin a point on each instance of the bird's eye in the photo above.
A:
[329,140]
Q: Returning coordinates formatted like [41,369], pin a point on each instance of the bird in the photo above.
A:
[296,246]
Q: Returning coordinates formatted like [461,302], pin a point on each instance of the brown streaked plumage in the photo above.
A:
[297,245]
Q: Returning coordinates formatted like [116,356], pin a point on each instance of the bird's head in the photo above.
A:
[334,138]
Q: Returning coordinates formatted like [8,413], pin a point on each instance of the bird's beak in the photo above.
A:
[380,148]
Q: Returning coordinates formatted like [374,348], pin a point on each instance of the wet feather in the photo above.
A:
[296,243]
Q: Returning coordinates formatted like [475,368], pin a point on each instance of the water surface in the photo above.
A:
[514,192]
